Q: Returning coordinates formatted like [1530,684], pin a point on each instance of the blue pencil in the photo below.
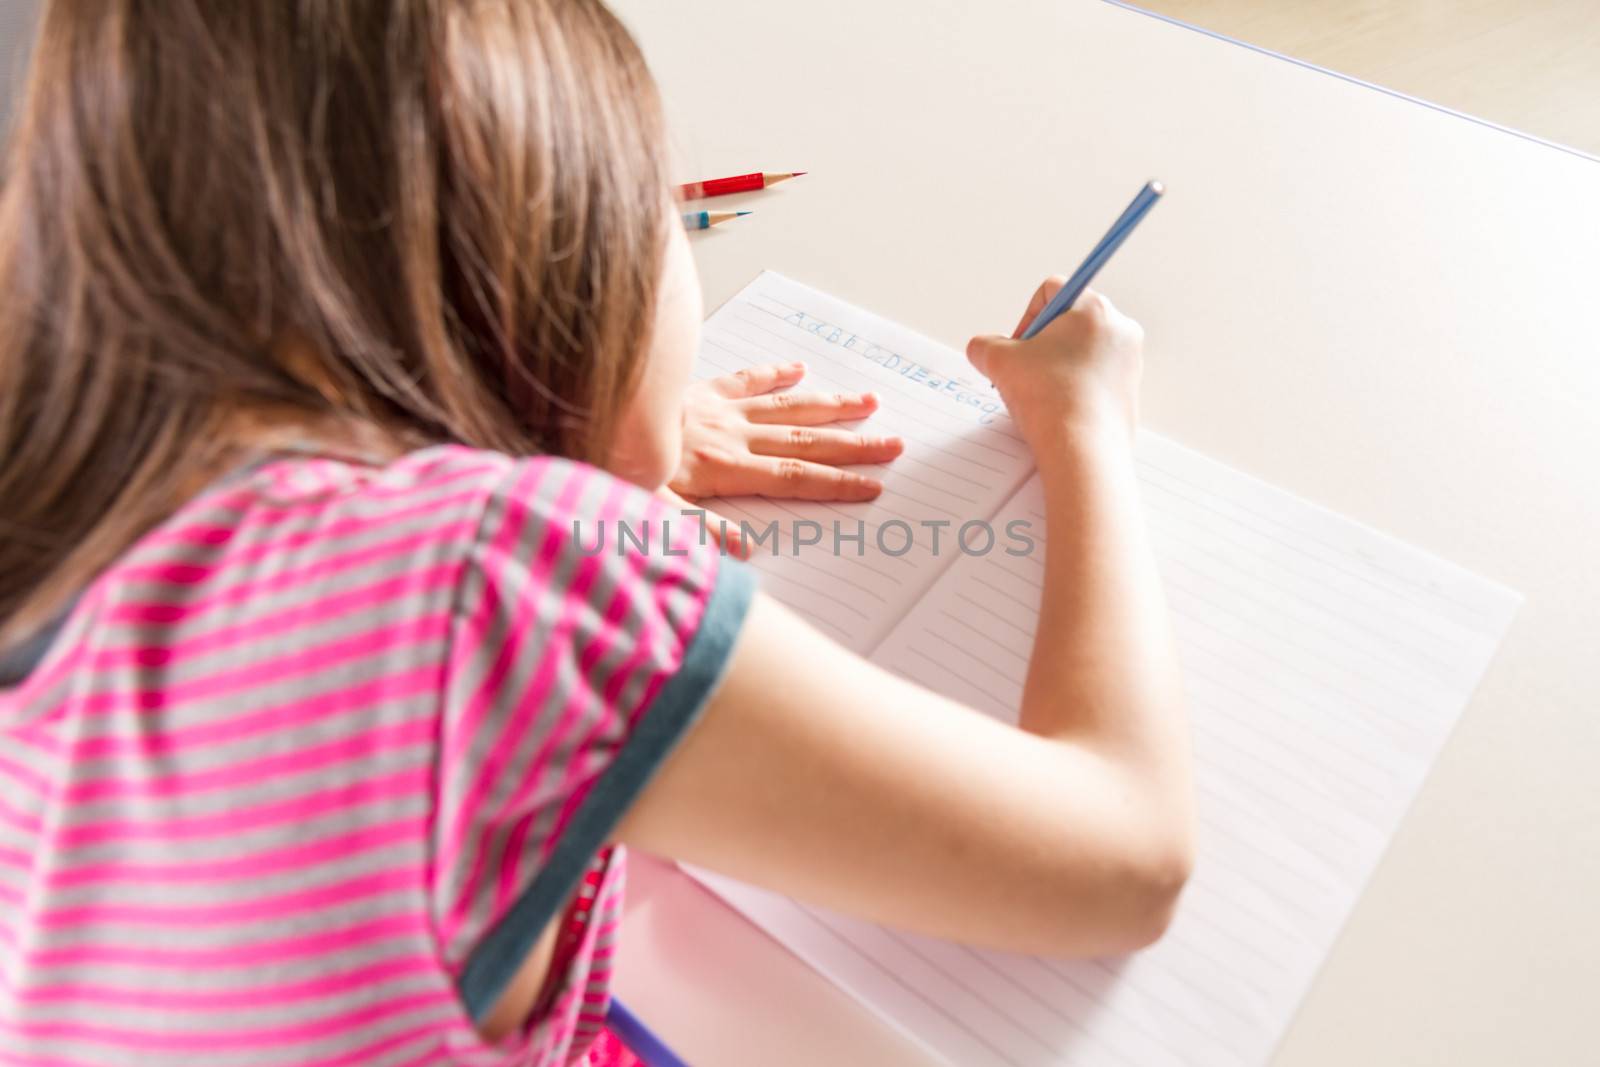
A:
[704,220]
[1102,252]
[649,1048]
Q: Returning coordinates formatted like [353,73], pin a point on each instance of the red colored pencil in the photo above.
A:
[741,183]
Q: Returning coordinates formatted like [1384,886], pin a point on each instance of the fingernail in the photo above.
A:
[797,365]
[867,398]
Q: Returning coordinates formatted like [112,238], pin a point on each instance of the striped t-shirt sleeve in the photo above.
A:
[577,660]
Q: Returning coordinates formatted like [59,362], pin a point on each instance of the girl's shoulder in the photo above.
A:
[532,534]
[447,483]
[444,501]
[441,532]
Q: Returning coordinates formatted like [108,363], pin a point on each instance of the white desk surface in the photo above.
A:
[1388,309]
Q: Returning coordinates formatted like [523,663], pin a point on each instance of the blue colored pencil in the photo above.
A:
[704,220]
[649,1048]
[1102,252]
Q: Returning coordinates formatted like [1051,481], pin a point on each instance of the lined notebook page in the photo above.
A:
[1325,665]
[962,460]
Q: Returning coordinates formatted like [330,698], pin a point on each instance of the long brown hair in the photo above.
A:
[457,208]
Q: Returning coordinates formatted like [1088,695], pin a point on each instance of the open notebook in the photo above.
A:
[1325,665]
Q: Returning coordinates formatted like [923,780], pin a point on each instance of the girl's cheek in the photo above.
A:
[650,439]
[650,434]
[682,306]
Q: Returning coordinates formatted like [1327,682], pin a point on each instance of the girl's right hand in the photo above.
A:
[1081,372]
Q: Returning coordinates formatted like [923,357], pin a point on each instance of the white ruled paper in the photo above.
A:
[1325,665]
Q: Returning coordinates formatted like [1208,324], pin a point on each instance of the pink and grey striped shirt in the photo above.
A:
[304,775]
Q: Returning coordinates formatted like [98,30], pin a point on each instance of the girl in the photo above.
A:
[323,322]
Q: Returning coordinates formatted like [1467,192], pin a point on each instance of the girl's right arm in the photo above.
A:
[817,774]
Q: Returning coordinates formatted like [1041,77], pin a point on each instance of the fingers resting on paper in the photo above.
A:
[823,445]
[749,434]
[754,381]
[717,473]
[808,409]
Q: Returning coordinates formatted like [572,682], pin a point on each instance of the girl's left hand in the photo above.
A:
[744,434]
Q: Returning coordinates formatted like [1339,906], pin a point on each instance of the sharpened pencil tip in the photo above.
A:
[743,213]
[797,174]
